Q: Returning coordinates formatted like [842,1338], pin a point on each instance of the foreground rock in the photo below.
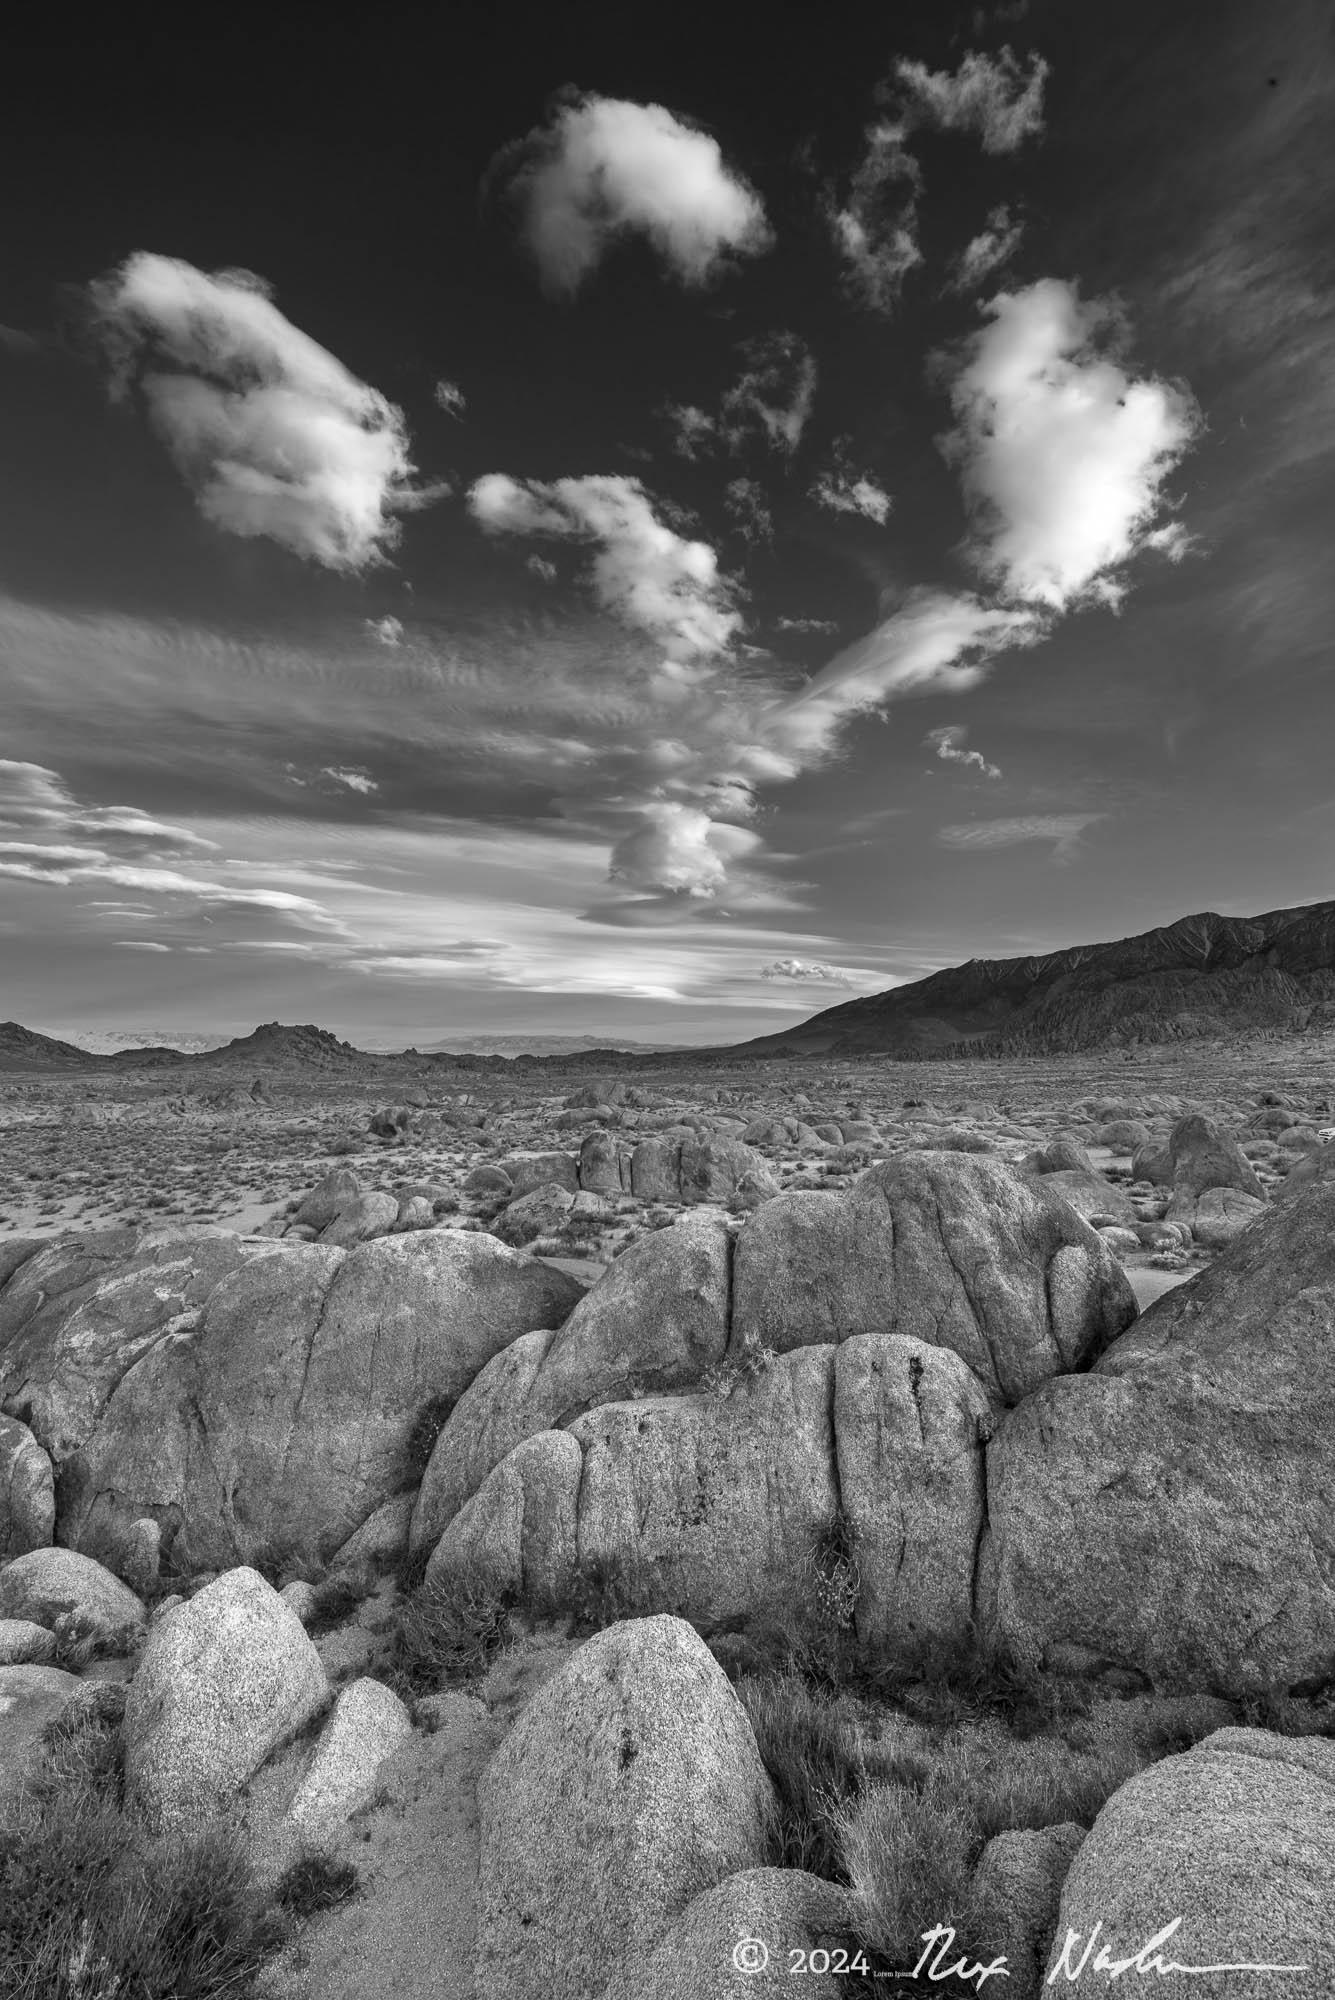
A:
[641,1731]
[367,1725]
[1169,1514]
[721,1507]
[27,1491]
[276,1402]
[49,1583]
[954,1250]
[1237,1838]
[223,1680]
[789,1910]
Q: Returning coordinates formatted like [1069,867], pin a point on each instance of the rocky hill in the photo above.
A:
[1205,976]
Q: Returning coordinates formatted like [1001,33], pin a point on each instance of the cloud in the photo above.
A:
[985,253]
[356,781]
[450,398]
[541,568]
[141,944]
[604,168]
[1062,453]
[745,501]
[1063,829]
[843,490]
[806,624]
[388,630]
[805,972]
[875,230]
[948,743]
[992,96]
[774,394]
[35,800]
[644,573]
[274,436]
[679,848]
[693,429]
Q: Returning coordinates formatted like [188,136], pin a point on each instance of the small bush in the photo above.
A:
[448,1630]
[284,1560]
[338,1597]
[314,1882]
[745,1365]
[809,1745]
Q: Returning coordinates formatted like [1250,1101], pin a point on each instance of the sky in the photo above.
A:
[653,523]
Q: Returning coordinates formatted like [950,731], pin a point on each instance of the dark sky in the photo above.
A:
[602,519]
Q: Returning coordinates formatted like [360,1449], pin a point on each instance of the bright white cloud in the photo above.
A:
[679,848]
[643,573]
[805,972]
[948,744]
[1062,453]
[603,168]
[985,253]
[274,436]
[37,801]
[842,489]
[388,630]
[355,780]
[1062,829]
[992,96]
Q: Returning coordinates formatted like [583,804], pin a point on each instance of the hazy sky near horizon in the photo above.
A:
[579,520]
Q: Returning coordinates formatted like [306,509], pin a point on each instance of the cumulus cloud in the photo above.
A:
[843,490]
[773,395]
[1062,829]
[643,573]
[693,429]
[450,398]
[875,228]
[388,630]
[985,253]
[746,503]
[992,96]
[680,848]
[805,972]
[541,568]
[948,744]
[273,434]
[355,780]
[604,168]
[1062,452]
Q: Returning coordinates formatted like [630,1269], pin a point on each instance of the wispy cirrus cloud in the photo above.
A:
[603,168]
[993,96]
[1064,830]
[985,253]
[274,436]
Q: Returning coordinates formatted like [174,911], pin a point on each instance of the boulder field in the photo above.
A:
[925,1408]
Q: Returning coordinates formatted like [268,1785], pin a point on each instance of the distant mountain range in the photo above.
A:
[1203,977]
[112,1041]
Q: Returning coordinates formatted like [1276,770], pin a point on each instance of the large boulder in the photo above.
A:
[540,1212]
[1017,1890]
[1095,1200]
[1204,1157]
[724,1507]
[1170,1513]
[283,1407]
[225,1679]
[655,1170]
[789,1911]
[630,1783]
[76,1317]
[31,1697]
[1226,1854]
[1064,1154]
[49,1582]
[945,1248]
[603,1166]
[367,1725]
[657,1320]
[528,1171]
[328,1198]
[27,1491]
[366,1216]
[1217,1217]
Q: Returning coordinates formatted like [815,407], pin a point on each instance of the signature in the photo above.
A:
[1149,1958]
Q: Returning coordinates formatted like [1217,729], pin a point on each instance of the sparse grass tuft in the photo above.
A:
[739,1369]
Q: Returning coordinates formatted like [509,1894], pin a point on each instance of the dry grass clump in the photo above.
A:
[450,1629]
[91,1906]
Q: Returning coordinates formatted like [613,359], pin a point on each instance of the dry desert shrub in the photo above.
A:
[450,1629]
